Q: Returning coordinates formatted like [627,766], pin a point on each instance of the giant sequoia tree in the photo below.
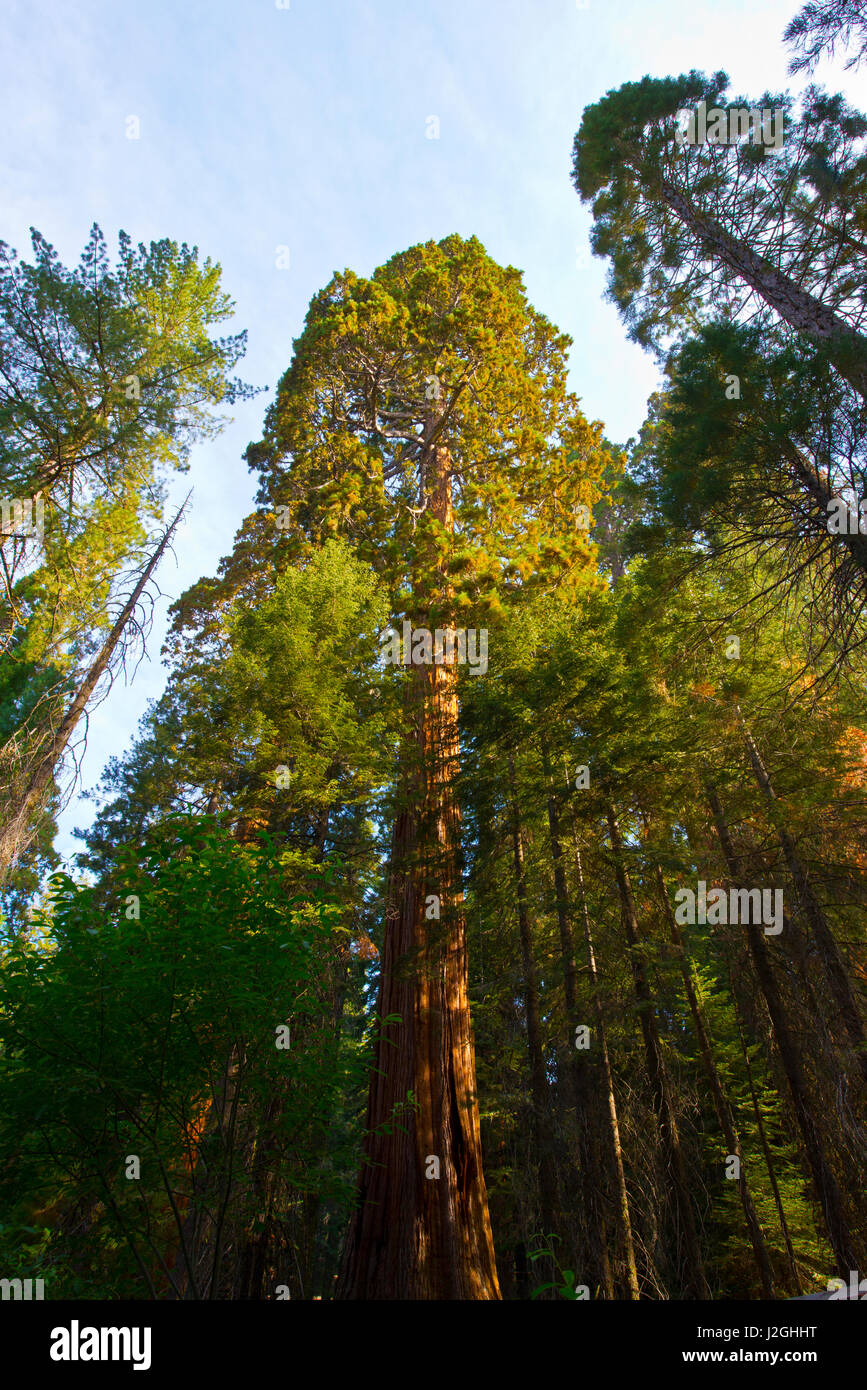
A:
[426,418]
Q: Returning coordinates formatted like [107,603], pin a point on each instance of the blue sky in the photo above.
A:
[307,127]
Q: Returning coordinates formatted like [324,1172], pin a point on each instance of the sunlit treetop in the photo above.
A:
[435,366]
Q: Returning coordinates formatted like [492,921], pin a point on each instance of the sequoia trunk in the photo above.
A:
[422,1229]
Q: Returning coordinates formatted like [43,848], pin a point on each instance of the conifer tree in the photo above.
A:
[729,225]
[425,418]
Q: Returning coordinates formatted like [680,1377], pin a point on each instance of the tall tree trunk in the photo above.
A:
[827,1190]
[832,959]
[795,306]
[657,1072]
[416,1236]
[201,1238]
[623,1216]
[17,833]
[542,1128]
[808,475]
[721,1102]
[763,1138]
[577,1069]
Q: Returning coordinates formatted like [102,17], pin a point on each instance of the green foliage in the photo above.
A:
[293,683]
[154,1034]
[108,375]
[634,122]
[565,1283]
[663,209]
[819,26]
[125,1035]
[73,340]
[440,333]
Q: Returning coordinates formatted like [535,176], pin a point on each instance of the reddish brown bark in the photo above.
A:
[414,1236]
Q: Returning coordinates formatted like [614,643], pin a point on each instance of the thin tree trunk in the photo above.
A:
[832,959]
[808,476]
[657,1072]
[542,1130]
[721,1102]
[766,1148]
[197,1251]
[15,835]
[624,1218]
[577,1070]
[827,1190]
